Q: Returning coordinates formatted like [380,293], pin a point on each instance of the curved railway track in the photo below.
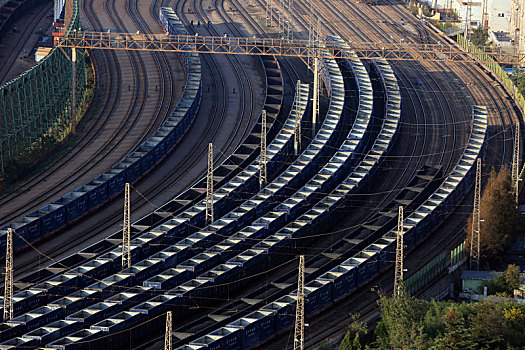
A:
[168,179]
[268,281]
[110,146]
[435,152]
[292,267]
[365,300]
[7,68]
[475,81]
[441,154]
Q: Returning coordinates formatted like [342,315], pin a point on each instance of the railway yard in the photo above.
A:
[214,237]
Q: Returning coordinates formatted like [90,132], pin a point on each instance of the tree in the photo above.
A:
[506,282]
[409,323]
[498,210]
[354,329]
[346,344]
[487,326]
[480,36]
[457,334]
[519,80]
[400,326]
[512,277]
[356,344]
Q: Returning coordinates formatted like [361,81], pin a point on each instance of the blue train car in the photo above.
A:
[97,192]
[284,309]
[343,279]
[52,332]
[76,340]
[224,338]
[318,296]
[52,216]
[76,204]
[255,327]
[132,167]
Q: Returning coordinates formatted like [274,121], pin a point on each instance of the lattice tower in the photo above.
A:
[476,221]
[126,249]
[298,343]
[516,163]
[297,130]
[398,279]
[209,186]
[168,341]
[8,290]
[262,157]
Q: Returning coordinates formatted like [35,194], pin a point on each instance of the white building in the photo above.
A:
[499,15]
[462,8]
[469,9]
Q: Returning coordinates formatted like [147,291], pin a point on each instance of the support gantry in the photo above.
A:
[438,52]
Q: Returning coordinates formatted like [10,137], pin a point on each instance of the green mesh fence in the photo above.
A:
[434,268]
[499,72]
[35,107]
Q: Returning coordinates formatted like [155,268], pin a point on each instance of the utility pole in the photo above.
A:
[297,130]
[476,221]
[315,104]
[290,20]
[311,32]
[73,90]
[209,186]
[8,290]
[268,13]
[400,252]
[262,156]
[484,15]
[516,162]
[126,249]
[468,17]
[298,343]
[168,341]
[279,23]
[317,73]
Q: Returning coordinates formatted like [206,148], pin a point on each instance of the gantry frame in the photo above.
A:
[280,47]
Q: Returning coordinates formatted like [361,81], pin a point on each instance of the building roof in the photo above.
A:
[479,275]
[43,50]
[501,36]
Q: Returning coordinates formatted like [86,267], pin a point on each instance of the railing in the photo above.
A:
[35,107]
